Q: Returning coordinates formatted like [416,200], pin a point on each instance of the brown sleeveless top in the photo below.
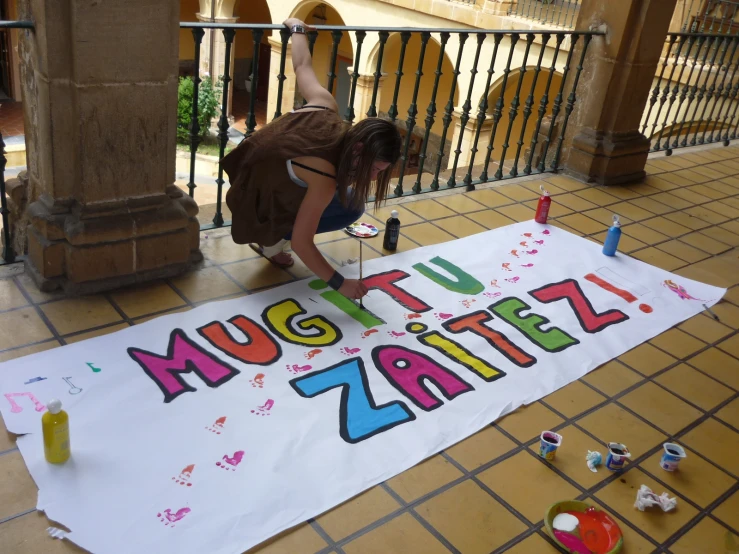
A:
[263,200]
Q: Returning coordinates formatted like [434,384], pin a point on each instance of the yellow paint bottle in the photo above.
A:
[55,423]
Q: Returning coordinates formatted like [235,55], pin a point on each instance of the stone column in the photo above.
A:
[100,101]
[603,144]
[290,84]
[218,66]
[363,95]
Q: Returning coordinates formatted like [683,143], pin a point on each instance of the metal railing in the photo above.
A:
[556,13]
[694,100]
[509,161]
[712,17]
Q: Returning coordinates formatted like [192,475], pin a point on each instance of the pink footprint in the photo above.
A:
[507,266]
[529,235]
[468,303]
[539,242]
[492,294]
[527,265]
[167,517]
[295,368]
[313,353]
[217,427]
[532,252]
[524,244]
[513,280]
[494,283]
[442,316]
[412,316]
[350,351]
[395,334]
[545,232]
[368,333]
[258,380]
[514,253]
[231,463]
[264,410]
[184,477]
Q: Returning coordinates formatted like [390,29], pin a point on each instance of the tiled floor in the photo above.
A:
[11,119]
[489,492]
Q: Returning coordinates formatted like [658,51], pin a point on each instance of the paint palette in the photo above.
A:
[595,532]
[362,230]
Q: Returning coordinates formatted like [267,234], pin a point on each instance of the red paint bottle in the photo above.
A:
[542,210]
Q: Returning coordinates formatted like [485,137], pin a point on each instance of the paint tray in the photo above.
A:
[614,535]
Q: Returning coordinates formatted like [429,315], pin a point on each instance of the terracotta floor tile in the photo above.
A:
[490,219]
[660,408]
[732,295]
[426,234]
[559,224]
[565,183]
[481,448]
[259,273]
[357,513]
[715,441]
[706,191]
[728,510]
[399,536]
[697,479]
[28,350]
[77,314]
[144,319]
[428,209]
[10,295]
[534,543]
[707,536]
[644,189]
[663,164]
[205,284]
[730,345]
[517,212]
[298,540]
[21,327]
[535,185]
[528,422]
[405,216]
[604,216]
[620,494]
[724,269]
[647,359]
[614,424]
[472,520]
[582,223]
[626,244]
[683,251]
[573,399]
[461,203]
[687,220]
[460,226]
[28,535]
[727,313]
[518,193]
[96,333]
[722,235]
[644,234]
[666,227]
[674,202]
[724,209]
[710,271]
[665,181]
[222,250]
[723,188]
[705,214]
[730,413]
[658,258]
[632,210]
[339,251]
[705,328]
[707,244]
[624,192]
[574,202]
[718,365]
[424,478]
[530,496]
[612,378]
[596,196]
[17,489]
[692,175]
[147,299]
[570,457]
[555,209]
[677,343]
[489,197]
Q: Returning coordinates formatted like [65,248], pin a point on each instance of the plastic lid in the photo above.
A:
[54,406]
[544,191]
[616,221]
[394,214]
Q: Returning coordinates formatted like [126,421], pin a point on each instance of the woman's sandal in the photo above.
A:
[260,250]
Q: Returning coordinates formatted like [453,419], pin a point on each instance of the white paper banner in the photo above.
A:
[212,430]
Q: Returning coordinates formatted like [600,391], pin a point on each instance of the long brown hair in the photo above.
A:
[369,141]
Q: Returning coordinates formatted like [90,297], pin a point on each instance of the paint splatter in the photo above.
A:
[217,427]
[679,290]
[184,476]
[93,368]
[514,253]
[368,333]
[230,463]
[492,294]
[494,283]
[646,308]
[34,380]
[312,354]
[527,265]
[350,351]
[258,381]
[539,242]
[507,266]
[513,280]
[467,303]
[524,244]
[546,232]
[442,316]
[264,410]
[527,235]
[532,252]
[169,519]
[411,316]
[295,368]
[395,334]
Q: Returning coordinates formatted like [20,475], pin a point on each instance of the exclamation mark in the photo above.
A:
[626,295]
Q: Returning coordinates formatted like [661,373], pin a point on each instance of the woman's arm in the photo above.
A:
[308,83]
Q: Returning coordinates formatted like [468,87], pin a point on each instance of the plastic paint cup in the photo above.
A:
[617,454]
[548,444]
[671,457]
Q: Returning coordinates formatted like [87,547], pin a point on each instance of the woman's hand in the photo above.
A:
[353,288]
[295,21]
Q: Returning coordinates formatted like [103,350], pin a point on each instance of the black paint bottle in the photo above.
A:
[392,232]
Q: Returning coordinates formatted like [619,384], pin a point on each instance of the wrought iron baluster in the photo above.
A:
[728,137]
[336,39]
[529,3]
[465,117]
[559,14]
[355,76]
[482,113]
[673,97]
[372,112]
[687,17]
[251,123]
[702,93]
[574,13]
[571,101]
[228,35]
[726,90]
[281,77]
[727,123]
[546,15]
[404,38]
[430,113]
[692,88]
[448,111]
[195,139]
[412,112]
[498,111]
[8,252]
[711,90]
[543,106]
[683,93]
[655,91]
[515,103]
[666,94]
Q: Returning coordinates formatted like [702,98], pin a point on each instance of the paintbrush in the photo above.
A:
[361,304]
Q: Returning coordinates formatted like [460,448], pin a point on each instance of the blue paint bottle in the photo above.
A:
[614,235]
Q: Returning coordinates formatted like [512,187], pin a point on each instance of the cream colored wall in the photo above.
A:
[250,11]
[188,9]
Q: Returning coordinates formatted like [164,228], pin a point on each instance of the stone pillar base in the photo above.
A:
[133,241]
[608,158]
